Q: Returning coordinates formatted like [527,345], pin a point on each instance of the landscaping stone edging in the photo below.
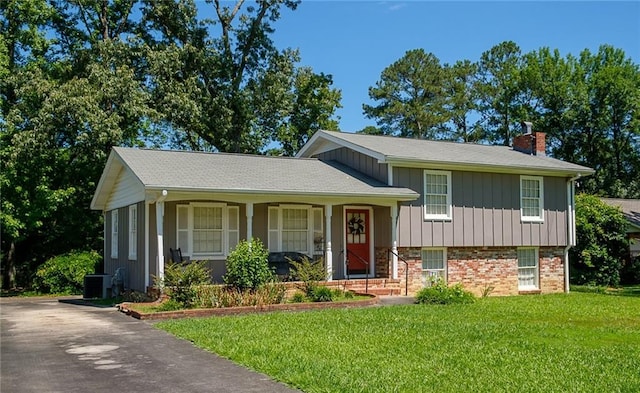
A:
[223,311]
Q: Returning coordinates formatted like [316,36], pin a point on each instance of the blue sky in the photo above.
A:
[355,40]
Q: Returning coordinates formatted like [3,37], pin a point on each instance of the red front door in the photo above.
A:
[358,230]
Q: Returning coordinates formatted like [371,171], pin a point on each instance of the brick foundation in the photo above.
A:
[492,269]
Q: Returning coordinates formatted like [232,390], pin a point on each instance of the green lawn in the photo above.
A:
[580,342]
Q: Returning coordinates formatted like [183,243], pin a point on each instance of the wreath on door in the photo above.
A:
[356,225]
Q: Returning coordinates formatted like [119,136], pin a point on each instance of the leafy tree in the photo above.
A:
[500,91]
[602,243]
[461,100]
[411,96]
[234,92]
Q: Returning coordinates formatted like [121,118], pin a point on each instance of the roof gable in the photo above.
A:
[452,155]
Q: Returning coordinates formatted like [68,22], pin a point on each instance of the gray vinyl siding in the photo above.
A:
[134,277]
[485,212]
[360,162]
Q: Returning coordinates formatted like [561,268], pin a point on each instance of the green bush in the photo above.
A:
[602,243]
[181,281]
[440,293]
[308,273]
[321,294]
[248,266]
[298,297]
[64,274]
[217,296]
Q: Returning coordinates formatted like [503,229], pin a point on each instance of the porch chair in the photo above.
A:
[176,255]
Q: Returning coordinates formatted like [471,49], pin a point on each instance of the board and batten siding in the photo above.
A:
[358,161]
[134,268]
[485,212]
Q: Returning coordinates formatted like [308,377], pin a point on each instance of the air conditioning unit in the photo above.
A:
[96,286]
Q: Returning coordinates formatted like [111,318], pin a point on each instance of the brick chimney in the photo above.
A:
[530,142]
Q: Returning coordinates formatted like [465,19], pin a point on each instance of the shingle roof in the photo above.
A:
[250,173]
[630,208]
[389,149]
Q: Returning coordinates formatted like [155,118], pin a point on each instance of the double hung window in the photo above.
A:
[531,198]
[437,195]
[527,268]
[434,265]
[296,228]
[206,230]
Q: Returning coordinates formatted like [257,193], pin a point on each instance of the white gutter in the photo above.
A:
[571,227]
[160,232]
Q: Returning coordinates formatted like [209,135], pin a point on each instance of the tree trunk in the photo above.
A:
[9,274]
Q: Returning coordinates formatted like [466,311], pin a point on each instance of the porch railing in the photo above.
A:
[366,277]
[406,271]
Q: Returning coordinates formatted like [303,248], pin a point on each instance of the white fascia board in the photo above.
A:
[107,180]
[307,149]
[471,167]
[256,196]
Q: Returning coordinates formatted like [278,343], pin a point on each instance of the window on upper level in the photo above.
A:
[437,195]
[531,198]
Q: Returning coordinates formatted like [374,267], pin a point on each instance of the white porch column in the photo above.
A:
[394,241]
[249,220]
[146,245]
[160,231]
[328,254]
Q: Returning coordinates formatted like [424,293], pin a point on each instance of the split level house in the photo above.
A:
[394,210]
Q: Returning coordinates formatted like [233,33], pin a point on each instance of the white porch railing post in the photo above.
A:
[328,253]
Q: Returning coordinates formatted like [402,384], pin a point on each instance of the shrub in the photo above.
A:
[298,297]
[217,296]
[439,293]
[602,243]
[321,294]
[170,305]
[181,281]
[64,274]
[248,266]
[308,273]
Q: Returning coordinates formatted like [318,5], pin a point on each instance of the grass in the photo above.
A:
[581,342]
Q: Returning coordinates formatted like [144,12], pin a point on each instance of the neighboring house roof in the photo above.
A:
[465,156]
[239,173]
[630,208]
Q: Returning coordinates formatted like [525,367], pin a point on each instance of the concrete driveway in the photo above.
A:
[52,346]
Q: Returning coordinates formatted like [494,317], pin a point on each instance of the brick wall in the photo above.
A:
[493,269]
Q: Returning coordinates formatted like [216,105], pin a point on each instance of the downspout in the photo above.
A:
[160,232]
[571,227]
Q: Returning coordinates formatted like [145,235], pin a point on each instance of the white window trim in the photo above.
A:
[275,232]
[540,216]
[226,232]
[444,262]
[439,217]
[114,233]
[536,284]
[133,234]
